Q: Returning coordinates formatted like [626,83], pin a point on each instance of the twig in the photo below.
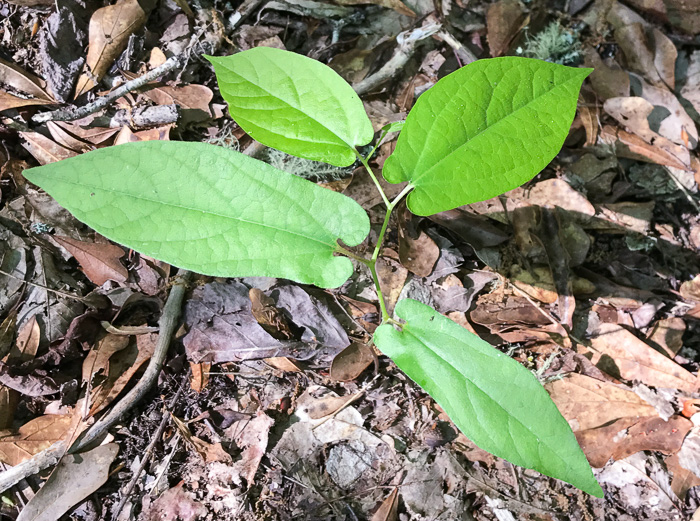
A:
[464,55]
[48,457]
[146,456]
[167,324]
[408,41]
[73,113]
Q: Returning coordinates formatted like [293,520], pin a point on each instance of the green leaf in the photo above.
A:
[209,209]
[293,103]
[494,401]
[483,130]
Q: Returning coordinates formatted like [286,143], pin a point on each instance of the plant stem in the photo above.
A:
[365,163]
[375,255]
[350,254]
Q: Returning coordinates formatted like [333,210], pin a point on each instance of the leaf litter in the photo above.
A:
[588,276]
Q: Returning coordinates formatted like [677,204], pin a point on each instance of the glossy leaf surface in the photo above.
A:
[209,209]
[483,130]
[293,103]
[495,401]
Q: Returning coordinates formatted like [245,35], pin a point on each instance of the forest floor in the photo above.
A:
[588,275]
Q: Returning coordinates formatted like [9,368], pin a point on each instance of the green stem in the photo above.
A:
[377,249]
[350,254]
[365,163]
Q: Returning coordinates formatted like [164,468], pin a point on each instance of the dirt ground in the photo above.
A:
[588,275]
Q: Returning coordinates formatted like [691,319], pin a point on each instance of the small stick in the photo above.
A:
[73,113]
[408,41]
[51,456]
[146,456]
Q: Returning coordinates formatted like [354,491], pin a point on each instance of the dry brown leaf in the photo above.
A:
[195,97]
[23,81]
[282,363]
[33,437]
[8,101]
[608,81]
[683,479]
[75,478]
[622,355]
[110,29]
[633,112]
[92,135]
[634,147]
[66,139]
[126,135]
[99,261]
[252,437]
[504,20]
[122,367]
[388,510]
[587,403]
[97,359]
[668,335]
[649,52]
[628,436]
[27,344]
[200,376]
[677,125]
[44,149]
[417,251]
[392,277]
[351,362]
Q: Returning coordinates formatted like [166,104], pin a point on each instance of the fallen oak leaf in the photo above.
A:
[100,262]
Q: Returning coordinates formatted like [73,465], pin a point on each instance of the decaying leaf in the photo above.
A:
[110,28]
[621,354]
[22,82]
[252,436]
[417,251]
[630,435]
[33,437]
[44,149]
[100,261]
[504,20]
[388,510]
[123,365]
[351,362]
[199,377]
[588,403]
[76,477]
[175,504]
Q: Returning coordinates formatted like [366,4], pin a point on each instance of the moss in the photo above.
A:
[554,44]
[312,170]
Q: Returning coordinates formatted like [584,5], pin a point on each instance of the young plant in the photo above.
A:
[479,132]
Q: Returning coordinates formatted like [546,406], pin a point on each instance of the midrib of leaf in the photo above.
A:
[291,107]
[471,140]
[516,420]
[183,207]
